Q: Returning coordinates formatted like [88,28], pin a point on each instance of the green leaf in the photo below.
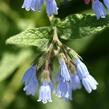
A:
[10,61]
[38,37]
[81,25]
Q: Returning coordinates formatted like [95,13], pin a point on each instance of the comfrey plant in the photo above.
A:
[70,73]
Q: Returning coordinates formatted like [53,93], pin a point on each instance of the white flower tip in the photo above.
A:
[44,101]
[97,83]
[103,17]
[27,9]
[94,88]
[33,9]
[23,6]
[24,89]
[38,100]
[58,95]
[89,91]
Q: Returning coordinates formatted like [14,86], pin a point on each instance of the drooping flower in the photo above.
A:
[68,94]
[64,90]
[61,88]
[75,82]
[106,2]
[64,72]
[45,93]
[81,68]
[30,81]
[51,7]
[99,9]
[88,81]
[32,5]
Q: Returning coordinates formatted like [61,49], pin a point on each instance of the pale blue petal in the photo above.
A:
[106,2]
[64,72]
[51,7]
[30,81]
[75,83]
[99,9]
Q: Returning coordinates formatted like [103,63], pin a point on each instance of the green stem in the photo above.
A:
[55,37]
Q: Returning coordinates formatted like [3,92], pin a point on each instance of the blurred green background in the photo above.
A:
[14,60]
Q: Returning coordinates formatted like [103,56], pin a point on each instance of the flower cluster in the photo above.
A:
[72,73]
[36,5]
[98,7]
[67,82]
